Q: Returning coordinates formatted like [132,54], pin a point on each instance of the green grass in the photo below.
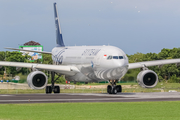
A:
[30,91]
[161,87]
[94,83]
[20,91]
[92,111]
[168,85]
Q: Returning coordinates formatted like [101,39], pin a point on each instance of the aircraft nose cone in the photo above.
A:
[120,63]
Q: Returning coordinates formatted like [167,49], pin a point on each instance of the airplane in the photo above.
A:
[87,64]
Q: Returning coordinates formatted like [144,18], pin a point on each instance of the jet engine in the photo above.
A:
[147,79]
[37,80]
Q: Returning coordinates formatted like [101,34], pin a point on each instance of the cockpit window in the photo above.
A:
[109,57]
[115,57]
[120,57]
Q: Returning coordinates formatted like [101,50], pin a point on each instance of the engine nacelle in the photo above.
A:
[147,79]
[37,80]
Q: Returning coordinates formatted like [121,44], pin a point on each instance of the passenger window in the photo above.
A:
[120,57]
[115,57]
[109,57]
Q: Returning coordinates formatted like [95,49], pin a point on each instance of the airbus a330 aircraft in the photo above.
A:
[87,64]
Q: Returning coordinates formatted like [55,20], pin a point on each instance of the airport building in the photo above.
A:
[35,46]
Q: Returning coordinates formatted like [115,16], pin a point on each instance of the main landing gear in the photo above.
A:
[113,88]
[55,89]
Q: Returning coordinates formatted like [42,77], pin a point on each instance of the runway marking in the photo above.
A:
[6,95]
[44,100]
[72,100]
[59,100]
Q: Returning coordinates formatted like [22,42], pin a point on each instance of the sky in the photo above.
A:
[132,25]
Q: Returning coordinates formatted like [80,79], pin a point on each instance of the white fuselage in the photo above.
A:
[95,63]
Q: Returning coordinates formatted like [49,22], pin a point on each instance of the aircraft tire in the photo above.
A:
[48,89]
[119,88]
[56,89]
[109,89]
[114,90]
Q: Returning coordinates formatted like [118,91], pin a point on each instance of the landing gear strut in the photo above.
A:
[55,89]
[113,88]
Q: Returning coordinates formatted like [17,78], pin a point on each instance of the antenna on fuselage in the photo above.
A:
[59,38]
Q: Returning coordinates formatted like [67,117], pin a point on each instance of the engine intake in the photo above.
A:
[37,80]
[147,79]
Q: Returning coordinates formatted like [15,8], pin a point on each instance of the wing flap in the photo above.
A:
[152,63]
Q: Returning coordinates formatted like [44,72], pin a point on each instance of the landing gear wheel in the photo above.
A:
[114,90]
[56,89]
[119,88]
[48,89]
[109,89]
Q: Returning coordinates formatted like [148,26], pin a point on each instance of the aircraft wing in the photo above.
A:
[63,69]
[29,50]
[152,63]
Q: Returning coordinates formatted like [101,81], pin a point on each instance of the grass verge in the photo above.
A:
[92,111]
[161,87]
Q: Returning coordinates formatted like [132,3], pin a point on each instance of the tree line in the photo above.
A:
[18,57]
[169,72]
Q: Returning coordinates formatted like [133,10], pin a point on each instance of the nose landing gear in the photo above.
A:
[113,88]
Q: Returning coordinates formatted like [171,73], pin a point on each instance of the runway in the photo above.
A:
[74,97]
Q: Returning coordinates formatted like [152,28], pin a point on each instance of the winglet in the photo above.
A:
[59,38]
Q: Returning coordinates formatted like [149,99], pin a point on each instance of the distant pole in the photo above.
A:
[5,67]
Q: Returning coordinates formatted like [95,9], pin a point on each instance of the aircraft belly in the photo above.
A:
[79,77]
[88,74]
[111,74]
